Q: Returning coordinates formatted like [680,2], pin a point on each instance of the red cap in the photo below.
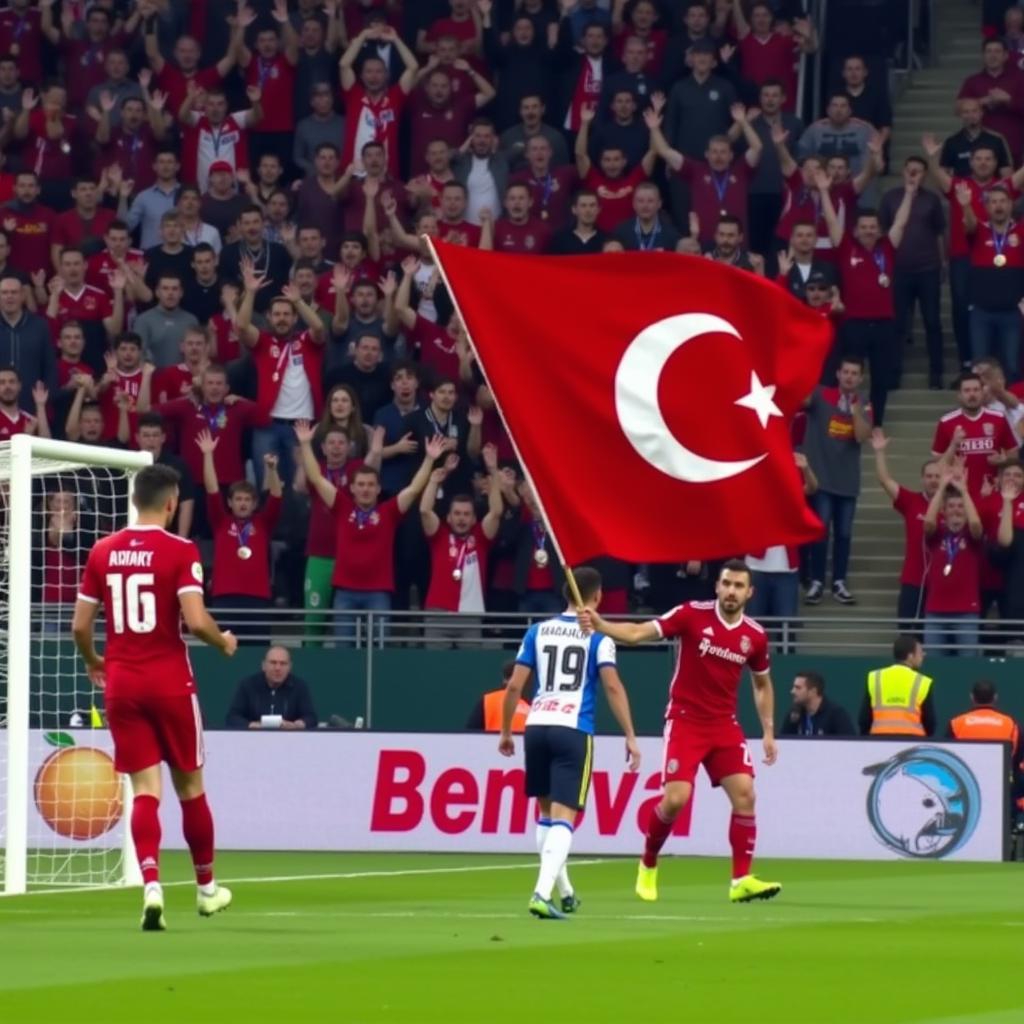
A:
[221,165]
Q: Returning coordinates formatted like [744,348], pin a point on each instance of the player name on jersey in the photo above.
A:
[141,559]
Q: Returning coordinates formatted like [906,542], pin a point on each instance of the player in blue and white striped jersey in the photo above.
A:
[559,736]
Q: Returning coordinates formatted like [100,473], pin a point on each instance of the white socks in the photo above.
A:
[562,882]
[152,889]
[208,890]
[553,855]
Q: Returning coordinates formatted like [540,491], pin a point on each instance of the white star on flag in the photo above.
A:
[760,399]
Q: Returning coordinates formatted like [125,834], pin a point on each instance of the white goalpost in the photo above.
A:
[63,808]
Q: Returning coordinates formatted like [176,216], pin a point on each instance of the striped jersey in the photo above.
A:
[566,663]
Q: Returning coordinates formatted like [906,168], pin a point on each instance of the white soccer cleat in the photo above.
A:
[153,912]
[210,905]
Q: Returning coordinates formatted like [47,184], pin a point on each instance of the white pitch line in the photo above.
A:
[327,876]
[478,916]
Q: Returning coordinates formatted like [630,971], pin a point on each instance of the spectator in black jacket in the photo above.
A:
[273,698]
[812,713]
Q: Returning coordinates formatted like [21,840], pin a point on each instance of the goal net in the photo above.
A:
[63,808]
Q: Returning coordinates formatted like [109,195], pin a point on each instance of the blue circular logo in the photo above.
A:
[923,803]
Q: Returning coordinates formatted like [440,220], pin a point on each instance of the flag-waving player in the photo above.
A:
[716,642]
[147,579]
[559,735]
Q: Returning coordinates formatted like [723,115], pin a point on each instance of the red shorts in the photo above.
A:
[148,730]
[720,746]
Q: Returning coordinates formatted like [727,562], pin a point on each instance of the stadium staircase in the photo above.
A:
[925,105]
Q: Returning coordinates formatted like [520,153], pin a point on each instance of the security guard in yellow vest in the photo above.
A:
[486,713]
[898,699]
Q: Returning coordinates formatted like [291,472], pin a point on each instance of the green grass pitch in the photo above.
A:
[417,939]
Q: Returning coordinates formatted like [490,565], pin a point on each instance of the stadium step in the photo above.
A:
[926,104]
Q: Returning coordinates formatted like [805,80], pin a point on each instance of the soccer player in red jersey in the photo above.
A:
[716,642]
[147,579]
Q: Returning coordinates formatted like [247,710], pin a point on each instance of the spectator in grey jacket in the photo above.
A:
[25,342]
[482,169]
[323,125]
[531,122]
[839,134]
[163,327]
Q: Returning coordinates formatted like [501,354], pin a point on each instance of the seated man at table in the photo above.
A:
[272,698]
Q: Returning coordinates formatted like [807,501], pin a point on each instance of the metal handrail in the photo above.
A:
[849,633]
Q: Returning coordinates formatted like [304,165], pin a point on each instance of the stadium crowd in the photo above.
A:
[209,249]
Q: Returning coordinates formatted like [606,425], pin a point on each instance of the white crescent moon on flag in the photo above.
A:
[638,410]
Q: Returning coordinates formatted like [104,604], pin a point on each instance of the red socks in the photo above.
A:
[146,836]
[197,824]
[742,839]
[658,830]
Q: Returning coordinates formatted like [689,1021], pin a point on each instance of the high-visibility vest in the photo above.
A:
[896,695]
[493,702]
[985,724]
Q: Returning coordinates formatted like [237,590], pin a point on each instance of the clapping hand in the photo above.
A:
[435,447]
[206,442]
[304,431]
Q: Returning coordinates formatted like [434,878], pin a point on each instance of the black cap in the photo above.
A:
[703,45]
[818,279]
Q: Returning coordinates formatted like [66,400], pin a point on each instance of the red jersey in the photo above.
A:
[66,370]
[90,305]
[227,423]
[173,81]
[21,36]
[133,152]
[987,245]
[49,158]
[172,382]
[435,348]
[235,573]
[229,346]
[776,56]
[132,383]
[11,425]
[326,295]
[866,278]
[30,236]
[959,244]
[322,536]
[912,505]
[614,194]
[450,124]
[102,265]
[84,65]
[364,556]
[552,194]
[61,571]
[531,237]
[276,77]
[70,230]
[985,434]
[139,575]
[372,120]
[715,194]
[710,659]
[458,570]
[959,588]
[459,233]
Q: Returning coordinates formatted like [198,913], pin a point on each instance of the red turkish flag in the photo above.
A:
[649,397]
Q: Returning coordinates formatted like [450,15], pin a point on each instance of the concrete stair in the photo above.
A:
[926,104]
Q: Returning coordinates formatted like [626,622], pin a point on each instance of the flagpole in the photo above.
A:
[566,568]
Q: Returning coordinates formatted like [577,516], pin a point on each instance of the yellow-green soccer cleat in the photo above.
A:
[153,912]
[210,905]
[647,883]
[544,909]
[749,888]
